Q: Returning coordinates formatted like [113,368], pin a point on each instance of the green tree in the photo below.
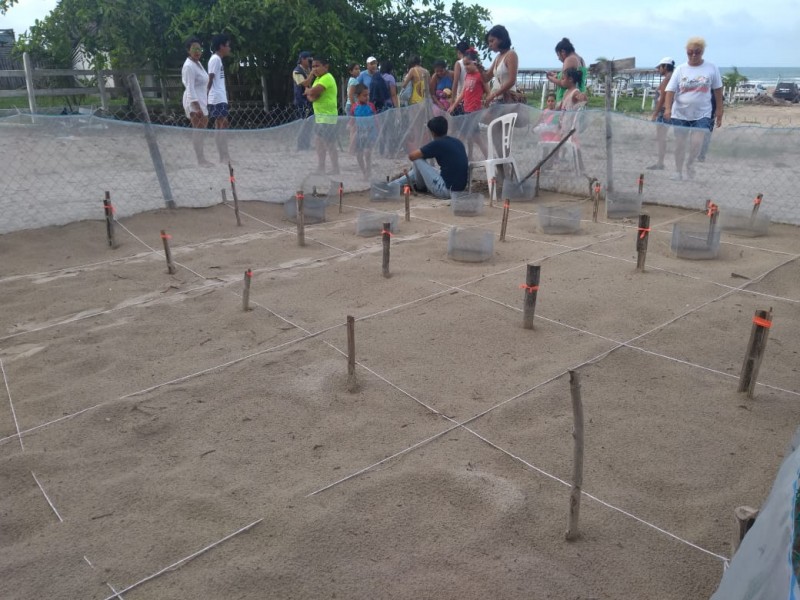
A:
[733,79]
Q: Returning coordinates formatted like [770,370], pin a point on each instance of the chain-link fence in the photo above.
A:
[55,169]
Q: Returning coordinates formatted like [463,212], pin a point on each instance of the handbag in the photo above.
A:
[515,97]
[405,94]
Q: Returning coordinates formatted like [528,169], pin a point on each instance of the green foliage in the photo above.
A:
[733,79]
[267,34]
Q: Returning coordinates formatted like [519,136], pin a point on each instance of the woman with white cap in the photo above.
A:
[665,68]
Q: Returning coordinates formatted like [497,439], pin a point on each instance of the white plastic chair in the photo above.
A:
[505,124]
[570,153]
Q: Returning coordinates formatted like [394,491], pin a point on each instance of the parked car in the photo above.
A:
[787,90]
[749,91]
[637,88]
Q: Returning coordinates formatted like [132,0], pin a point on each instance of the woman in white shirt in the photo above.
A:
[195,96]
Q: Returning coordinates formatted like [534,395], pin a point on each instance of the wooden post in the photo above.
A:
[577,464]
[407,197]
[504,223]
[536,189]
[756,206]
[224,196]
[351,354]
[152,143]
[341,196]
[713,213]
[642,237]
[762,321]
[531,287]
[745,517]
[641,183]
[29,84]
[235,195]
[167,252]
[492,190]
[596,201]
[109,210]
[248,277]
[301,224]
[387,235]
[101,89]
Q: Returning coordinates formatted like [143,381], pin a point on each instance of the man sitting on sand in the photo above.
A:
[451,156]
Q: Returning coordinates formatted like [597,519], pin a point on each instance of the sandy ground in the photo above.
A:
[783,115]
[159,417]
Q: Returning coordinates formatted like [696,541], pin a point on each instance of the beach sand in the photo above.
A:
[745,113]
[159,417]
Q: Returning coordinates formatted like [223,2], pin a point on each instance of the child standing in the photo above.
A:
[547,127]
[366,128]
[472,94]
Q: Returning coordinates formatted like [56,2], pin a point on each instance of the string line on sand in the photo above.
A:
[184,560]
[111,587]
[46,497]
[11,403]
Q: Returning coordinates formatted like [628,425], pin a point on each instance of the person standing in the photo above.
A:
[665,68]
[323,96]
[458,69]
[365,77]
[470,99]
[195,96]
[418,78]
[441,85]
[218,108]
[688,105]
[503,72]
[570,59]
[302,80]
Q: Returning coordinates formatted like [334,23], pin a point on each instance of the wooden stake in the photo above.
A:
[536,189]
[351,354]
[407,194]
[504,223]
[642,237]
[235,195]
[167,252]
[341,196]
[109,210]
[224,196]
[745,517]
[248,277]
[713,213]
[596,201]
[577,464]
[492,191]
[756,206]
[387,236]
[301,225]
[531,287]
[641,183]
[762,321]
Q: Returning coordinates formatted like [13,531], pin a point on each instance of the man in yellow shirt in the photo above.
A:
[323,96]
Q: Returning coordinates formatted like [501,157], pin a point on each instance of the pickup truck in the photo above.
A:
[749,91]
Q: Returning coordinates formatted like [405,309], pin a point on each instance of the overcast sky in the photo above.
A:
[744,33]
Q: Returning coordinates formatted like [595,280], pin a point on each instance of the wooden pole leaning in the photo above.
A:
[301,225]
[642,237]
[235,195]
[577,464]
[762,322]
[531,287]
[108,208]
[165,237]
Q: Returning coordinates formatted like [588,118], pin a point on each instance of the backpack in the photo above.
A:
[379,93]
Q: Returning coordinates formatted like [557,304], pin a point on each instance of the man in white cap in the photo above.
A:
[665,68]
[365,77]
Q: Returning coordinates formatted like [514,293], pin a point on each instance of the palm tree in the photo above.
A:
[733,79]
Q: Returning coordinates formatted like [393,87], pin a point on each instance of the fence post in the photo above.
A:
[164,99]
[26,61]
[264,96]
[101,88]
[152,143]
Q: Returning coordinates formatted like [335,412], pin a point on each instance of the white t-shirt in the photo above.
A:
[693,87]
[195,80]
[217,93]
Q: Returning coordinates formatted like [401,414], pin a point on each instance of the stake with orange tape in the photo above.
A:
[165,237]
[642,236]
[341,196]
[712,211]
[504,223]
[248,277]
[641,183]
[762,322]
[387,237]
[407,197]
[301,219]
[595,200]
[109,211]
[531,287]
[756,206]
[235,195]
[492,190]
[352,383]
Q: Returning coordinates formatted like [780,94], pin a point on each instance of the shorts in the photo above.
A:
[660,117]
[327,131]
[704,123]
[218,110]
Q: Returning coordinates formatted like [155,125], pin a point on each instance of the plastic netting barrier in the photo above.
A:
[55,169]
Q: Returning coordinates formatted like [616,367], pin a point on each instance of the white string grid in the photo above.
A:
[46,497]
[311,335]
[11,404]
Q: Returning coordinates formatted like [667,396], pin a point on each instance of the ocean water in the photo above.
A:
[769,76]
